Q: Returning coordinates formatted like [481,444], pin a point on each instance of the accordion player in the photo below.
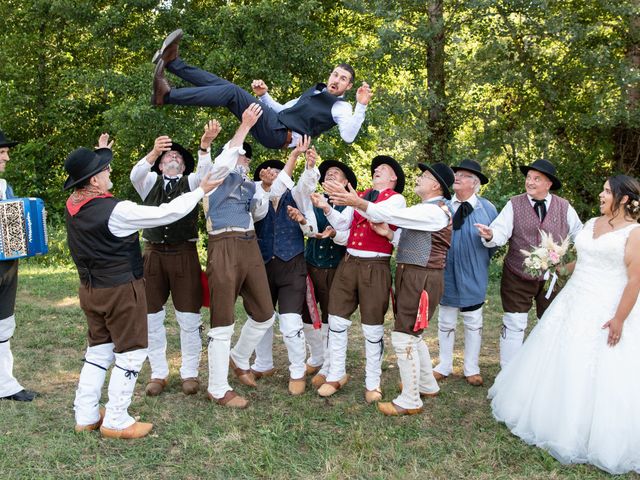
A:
[23,229]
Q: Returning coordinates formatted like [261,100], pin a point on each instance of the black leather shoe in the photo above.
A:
[21,396]
[160,85]
[169,50]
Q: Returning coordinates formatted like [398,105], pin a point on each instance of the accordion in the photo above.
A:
[23,229]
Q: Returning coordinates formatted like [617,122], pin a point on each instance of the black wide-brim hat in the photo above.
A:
[187,158]
[473,167]
[546,167]
[443,174]
[267,164]
[327,164]
[83,163]
[386,159]
[5,142]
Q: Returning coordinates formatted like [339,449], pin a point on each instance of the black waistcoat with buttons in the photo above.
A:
[323,253]
[179,231]
[311,115]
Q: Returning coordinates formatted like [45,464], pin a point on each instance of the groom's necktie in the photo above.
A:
[541,208]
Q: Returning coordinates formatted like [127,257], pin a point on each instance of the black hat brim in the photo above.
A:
[279,164]
[483,179]
[380,159]
[348,173]
[187,158]
[105,155]
[445,188]
[8,144]
[556,184]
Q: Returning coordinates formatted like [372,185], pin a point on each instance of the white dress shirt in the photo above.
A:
[348,122]
[502,226]
[342,221]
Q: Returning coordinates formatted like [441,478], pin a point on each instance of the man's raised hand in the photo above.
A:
[363,94]
[103,141]
[251,115]
[211,130]
[208,183]
[259,87]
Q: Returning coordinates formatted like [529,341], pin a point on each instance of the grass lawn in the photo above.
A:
[278,436]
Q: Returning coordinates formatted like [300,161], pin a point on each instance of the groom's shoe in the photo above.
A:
[160,85]
[21,396]
[169,50]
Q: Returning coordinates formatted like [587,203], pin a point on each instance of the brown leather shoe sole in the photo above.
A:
[190,386]
[231,399]
[429,395]
[168,52]
[93,426]
[155,387]
[137,430]
[245,377]
[393,410]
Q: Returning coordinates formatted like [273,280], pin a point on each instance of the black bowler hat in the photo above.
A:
[83,163]
[546,167]
[327,164]
[443,174]
[473,167]
[267,164]
[6,143]
[386,159]
[187,158]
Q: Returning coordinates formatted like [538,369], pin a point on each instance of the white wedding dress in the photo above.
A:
[566,391]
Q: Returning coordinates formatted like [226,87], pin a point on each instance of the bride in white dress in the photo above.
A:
[574,387]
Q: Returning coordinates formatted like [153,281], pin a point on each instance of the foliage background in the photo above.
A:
[505,82]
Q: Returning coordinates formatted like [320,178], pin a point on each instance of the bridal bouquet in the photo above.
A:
[550,260]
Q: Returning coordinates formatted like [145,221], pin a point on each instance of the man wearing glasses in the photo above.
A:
[466,275]
[171,264]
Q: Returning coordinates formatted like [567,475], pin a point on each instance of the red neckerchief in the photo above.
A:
[80,198]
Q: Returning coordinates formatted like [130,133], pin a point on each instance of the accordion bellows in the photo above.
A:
[23,229]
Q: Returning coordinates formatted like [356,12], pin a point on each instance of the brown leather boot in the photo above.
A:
[190,386]
[231,399]
[155,387]
[137,430]
[160,85]
[93,426]
[391,409]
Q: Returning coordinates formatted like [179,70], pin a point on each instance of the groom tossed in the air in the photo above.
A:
[317,110]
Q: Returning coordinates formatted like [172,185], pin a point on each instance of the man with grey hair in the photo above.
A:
[466,275]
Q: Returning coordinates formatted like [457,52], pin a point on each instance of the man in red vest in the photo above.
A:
[363,273]
[519,224]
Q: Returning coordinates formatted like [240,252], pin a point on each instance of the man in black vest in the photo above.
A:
[102,233]
[317,110]
[171,263]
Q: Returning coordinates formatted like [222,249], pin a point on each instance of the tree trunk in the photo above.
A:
[436,147]
[627,134]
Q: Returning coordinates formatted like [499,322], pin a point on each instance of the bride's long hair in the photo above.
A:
[622,185]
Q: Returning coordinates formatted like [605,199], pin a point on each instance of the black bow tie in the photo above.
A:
[463,211]
[372,195]
[171,184]
[541,208]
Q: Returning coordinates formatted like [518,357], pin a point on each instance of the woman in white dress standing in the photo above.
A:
[573,388]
